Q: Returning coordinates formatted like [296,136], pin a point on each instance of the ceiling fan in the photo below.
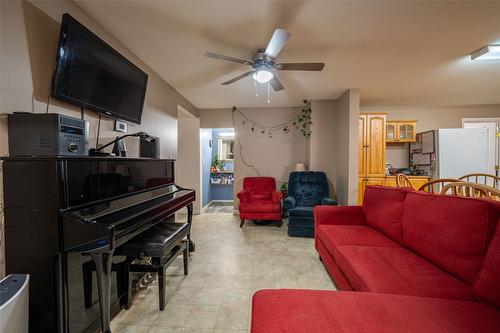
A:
[264,62]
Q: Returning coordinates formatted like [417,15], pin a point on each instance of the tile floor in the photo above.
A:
[229,265]
[217,206]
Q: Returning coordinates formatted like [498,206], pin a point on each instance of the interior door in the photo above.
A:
[491,128]
[375,141]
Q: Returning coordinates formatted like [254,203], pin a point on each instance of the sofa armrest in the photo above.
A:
[277,197]
[338,215]
[242,195]
[289,203]
[328,201]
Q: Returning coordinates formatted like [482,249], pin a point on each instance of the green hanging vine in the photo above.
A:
[303,122]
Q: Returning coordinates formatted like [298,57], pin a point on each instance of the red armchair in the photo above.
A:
[259,200]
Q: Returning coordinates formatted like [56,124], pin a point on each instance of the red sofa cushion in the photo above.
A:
[259,206]
[395,270]
[341,281]
[315,311]
[383,208]
[487,284]
[344,215]
[449,231]
[334,236]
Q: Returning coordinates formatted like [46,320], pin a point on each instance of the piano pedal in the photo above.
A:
[150,278]
[142,286]
[146,281]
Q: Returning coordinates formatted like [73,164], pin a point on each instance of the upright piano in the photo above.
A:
[62,211]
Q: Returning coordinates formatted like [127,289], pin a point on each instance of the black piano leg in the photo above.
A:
[87,268]
[162,285]
[127,283]
[191,245]
[103,269]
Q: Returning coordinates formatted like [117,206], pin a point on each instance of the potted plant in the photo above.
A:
[284,188]
[216,164]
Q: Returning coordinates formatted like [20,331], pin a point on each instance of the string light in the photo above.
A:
[261,129]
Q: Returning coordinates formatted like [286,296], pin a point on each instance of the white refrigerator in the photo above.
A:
[460,151]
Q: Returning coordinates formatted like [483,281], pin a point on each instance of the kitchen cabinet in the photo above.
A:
[372,134]
[416,181]
[401,131]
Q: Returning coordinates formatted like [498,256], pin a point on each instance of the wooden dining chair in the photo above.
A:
[403,181]
[472,190]
[436,185]
[482,179]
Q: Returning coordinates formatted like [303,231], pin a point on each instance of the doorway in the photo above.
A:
[491,125]
[217,169]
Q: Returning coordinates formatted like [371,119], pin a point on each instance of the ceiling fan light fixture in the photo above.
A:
[263,76]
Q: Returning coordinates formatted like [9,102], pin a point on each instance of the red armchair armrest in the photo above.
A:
[338,215]
[277,197]
[242,195]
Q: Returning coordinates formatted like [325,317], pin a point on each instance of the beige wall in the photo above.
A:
[347,107]
[29,35]
[187,167]
[332,147]
[334,144]
[216,118]
[274,157]
[429,118]
[323,144]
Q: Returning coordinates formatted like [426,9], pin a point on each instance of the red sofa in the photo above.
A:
[259,200]
[405,261]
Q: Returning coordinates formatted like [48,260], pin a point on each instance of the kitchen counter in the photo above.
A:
[416,181]
[409,176]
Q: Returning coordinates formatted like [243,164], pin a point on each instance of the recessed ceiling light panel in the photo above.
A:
[488,52]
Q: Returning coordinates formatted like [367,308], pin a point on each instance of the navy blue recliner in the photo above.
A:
[306,189]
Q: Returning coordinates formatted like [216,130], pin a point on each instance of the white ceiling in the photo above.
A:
[397,53]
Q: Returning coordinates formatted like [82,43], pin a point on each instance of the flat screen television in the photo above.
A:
[91,74]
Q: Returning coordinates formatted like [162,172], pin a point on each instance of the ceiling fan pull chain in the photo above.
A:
[268,99]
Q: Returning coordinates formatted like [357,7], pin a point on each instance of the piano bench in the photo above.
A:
[163,243]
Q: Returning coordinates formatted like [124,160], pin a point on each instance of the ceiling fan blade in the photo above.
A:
[276,84]
[239,77]
[277,42]
[301,66]
[227,58]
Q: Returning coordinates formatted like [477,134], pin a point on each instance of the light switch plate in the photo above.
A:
[120,126]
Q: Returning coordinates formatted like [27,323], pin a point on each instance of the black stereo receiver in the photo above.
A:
[45,134]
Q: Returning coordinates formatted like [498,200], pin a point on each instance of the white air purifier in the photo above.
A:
[14,302]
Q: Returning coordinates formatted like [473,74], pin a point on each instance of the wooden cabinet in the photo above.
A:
[391,131]
[371,169]
[416,181]
[375,145]
[401,131]
[361,190]
[362,145]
